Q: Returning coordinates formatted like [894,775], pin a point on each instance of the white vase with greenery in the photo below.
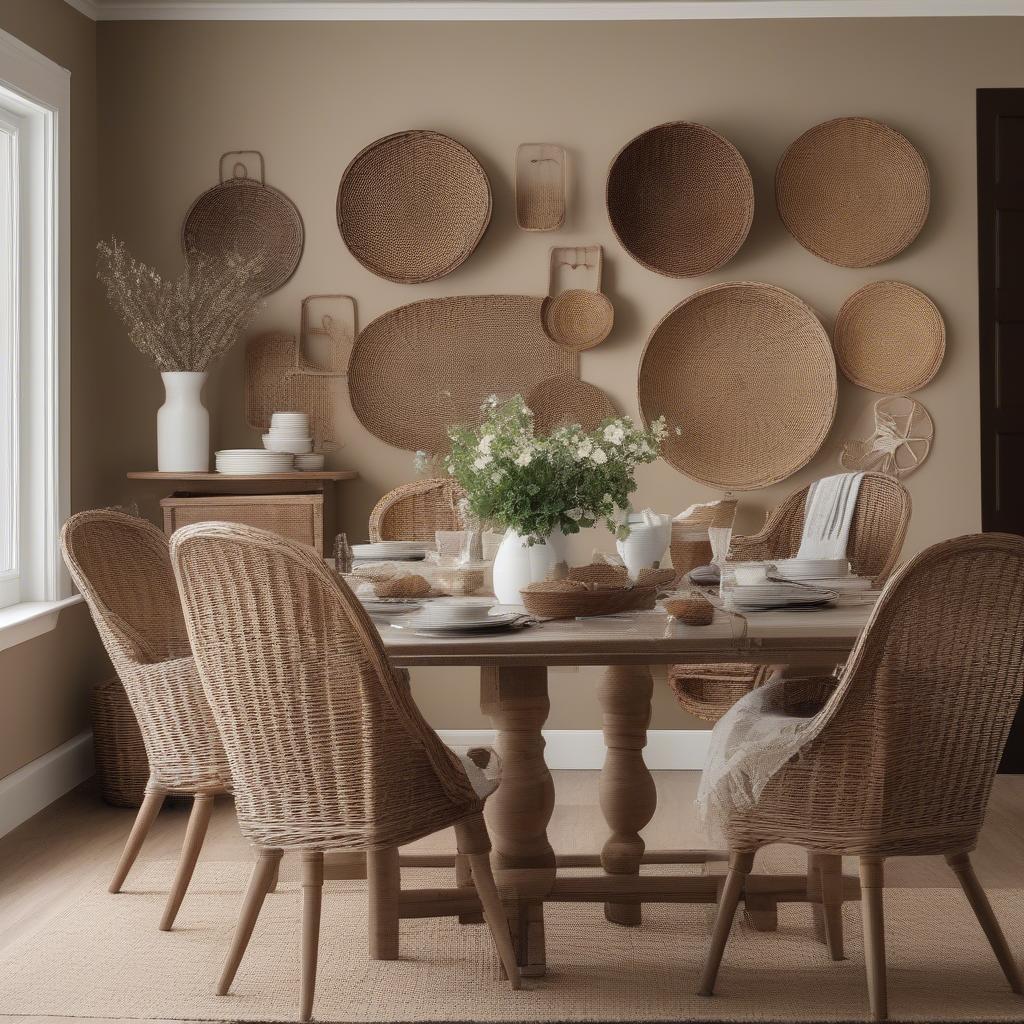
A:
[541,488]
[183,326]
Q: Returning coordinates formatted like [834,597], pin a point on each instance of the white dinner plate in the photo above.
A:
[491,622]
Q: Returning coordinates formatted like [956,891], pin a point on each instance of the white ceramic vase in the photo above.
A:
[646,544]
[518,564]
[183,425]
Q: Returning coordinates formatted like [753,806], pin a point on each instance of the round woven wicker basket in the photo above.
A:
[122,767]
[853,191]
[565,399]
[553,603]
[746,371]
[578,319]
[680,199]
[413,206]
[889,338]
[246,216]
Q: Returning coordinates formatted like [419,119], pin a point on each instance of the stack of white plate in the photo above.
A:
[762,596]
[289,432]
[390,551]
[309,463]
[811,568]
[252,462]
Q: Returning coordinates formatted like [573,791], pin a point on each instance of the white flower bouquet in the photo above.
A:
[565,481]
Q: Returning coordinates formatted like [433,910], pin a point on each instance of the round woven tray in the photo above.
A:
[565,399]
[246,216]
[852,191]
[421,368]
[746,372]
[889,338]
[680,199]
[571,604]
[578,319]
[413,206]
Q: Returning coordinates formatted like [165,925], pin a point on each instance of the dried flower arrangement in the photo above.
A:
[185,324]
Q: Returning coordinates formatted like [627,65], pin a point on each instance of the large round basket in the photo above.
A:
[413,206]
[889,338]
[853,191]
[680,199]
[245,216]
[746,372]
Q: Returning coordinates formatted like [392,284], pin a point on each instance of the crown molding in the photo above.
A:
[534,10]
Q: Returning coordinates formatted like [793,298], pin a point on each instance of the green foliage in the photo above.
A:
[569,480]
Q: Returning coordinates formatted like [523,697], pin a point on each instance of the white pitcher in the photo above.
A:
[645,547]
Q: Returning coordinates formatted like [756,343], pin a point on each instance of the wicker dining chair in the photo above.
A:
[905,764]
[417,511]
[328,750]
[877,532]
[121,565]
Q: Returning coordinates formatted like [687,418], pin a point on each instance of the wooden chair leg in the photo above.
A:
[264,873]
[872,882]
[384,883]
[739,867]
[198,822]
[312,897]
[830,868]
[464,880]
[151,804]
[964,870]
[814,897]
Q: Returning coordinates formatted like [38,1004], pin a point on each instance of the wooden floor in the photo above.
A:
[46,862]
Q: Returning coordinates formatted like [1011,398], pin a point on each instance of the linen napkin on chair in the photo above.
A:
[828,514]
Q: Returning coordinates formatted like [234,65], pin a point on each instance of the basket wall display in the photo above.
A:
[746,371]
[578,319]
[245,215]
[853,191]
[889,338]
[413,206]
[564,399]
[420,368]
[574,266]
[540,186]
[122,767]
[680,199]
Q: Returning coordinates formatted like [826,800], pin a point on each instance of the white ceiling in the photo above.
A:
[530,10]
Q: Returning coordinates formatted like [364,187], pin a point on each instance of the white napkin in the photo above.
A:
[828,514]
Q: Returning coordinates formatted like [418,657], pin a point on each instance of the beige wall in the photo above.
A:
[173,96]
[43,683]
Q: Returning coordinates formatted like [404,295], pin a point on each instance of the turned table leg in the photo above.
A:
[516,699]
[627,793]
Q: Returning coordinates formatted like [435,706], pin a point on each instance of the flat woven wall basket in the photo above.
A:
[567,399]
[889,338]
[746,371]
[245,215]
[680,199]
[578,319]
[413,206]
[853,191]
[420,368]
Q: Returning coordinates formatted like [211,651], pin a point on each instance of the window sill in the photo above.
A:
[25,621]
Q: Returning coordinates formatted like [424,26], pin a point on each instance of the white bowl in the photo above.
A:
[296,446]
[442,613]
[309,463]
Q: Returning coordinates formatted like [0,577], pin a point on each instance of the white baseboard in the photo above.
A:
[31,788]
[666,750]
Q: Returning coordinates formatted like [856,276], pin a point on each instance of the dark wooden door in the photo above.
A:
[1001,312]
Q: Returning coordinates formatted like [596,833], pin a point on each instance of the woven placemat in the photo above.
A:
[423,367]
[578,319]
[746,371]
[680,199]
[540,186]
[243,214]
[413,206]
[853,191]
[889,337]
[566,399]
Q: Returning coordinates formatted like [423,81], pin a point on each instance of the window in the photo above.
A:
[34,331]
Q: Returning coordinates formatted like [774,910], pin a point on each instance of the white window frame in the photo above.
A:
[35,98]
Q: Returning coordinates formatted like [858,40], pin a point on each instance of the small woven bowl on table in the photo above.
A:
[570,599]
[600,574]
[578,319]
[680,199]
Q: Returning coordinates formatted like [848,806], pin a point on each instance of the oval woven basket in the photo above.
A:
[889,338]
[570,604]
[566,399]
[680,199]
[853,191]
[578,319]
[246,216]
[413,206]
[746,371]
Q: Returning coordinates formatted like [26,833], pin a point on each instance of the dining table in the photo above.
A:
[514,695]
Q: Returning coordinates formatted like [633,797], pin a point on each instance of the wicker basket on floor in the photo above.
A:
[122,767]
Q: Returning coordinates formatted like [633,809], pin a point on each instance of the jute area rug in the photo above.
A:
[103,957]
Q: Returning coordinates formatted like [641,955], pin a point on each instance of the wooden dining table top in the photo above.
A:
[642,638]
